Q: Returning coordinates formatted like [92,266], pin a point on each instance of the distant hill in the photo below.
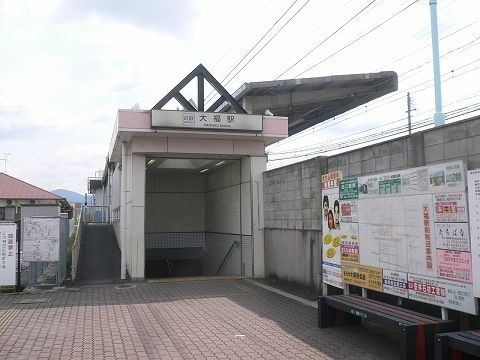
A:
[71,196]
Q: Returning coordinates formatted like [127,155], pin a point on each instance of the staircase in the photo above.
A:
[99,258]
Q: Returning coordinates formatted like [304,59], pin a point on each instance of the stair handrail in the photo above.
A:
[235,243]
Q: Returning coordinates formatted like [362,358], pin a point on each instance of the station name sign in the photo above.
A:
[206,120]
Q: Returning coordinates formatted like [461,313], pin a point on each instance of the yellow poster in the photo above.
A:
[362,276]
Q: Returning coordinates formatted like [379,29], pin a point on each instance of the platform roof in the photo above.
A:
[310,101]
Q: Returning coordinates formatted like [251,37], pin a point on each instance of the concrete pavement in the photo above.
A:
[208,319]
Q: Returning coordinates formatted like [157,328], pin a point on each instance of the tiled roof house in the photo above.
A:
[15,192]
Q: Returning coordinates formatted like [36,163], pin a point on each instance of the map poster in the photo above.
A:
[350,250]
[446,293]
[349,189]
[8,250]
[395,283]
[41,237]
[450,207]
[454,265]
[349,211]
[474,213]
[362,276]
[452,236]
[332,275]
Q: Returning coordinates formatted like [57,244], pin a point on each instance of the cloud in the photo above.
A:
[169,16]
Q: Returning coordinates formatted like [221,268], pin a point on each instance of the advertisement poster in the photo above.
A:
[41,238]
[446,293]
[363,276]
[415,181]
[331,228]
[349,189]
[474,214]
[332,275]
[8,249]
[450,207]
[350,250]
[447,177]
[395,283]
[452,236]
[454,265]
[349,211]
[389,184]
[367,186]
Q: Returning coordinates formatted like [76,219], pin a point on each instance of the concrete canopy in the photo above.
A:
[309,101]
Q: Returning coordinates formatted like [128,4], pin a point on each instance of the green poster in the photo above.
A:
[349,189]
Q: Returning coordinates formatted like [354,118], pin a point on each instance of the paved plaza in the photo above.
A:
[212,319]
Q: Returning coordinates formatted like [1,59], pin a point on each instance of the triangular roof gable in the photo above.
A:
[201,73]
[13,188]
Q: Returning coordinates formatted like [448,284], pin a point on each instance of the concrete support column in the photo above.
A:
[137,215]
[123,212]
[258,166]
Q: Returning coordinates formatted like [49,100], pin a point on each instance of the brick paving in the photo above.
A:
[211,319]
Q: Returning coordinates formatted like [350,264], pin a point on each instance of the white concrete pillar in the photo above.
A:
[257,166]
[123,212]
[137,215]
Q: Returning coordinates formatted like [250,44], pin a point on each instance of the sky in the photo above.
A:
[66,67]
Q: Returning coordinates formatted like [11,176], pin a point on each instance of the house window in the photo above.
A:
[2,213]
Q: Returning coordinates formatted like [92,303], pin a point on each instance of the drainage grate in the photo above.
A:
[124,286]
[33,301]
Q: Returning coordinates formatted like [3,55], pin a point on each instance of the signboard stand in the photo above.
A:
[444,313]
[346,289]
[18,286]
[324,289]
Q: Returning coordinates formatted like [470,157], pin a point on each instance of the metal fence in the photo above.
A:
[96,214]
[51,272]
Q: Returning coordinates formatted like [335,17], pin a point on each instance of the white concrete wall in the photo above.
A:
[175,202]
[222,222]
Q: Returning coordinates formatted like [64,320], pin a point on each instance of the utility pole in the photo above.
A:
[409,113]
[5,160]
[439,117]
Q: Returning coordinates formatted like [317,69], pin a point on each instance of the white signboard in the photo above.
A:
[206,120]
[474,212]
[332,275]
[452,236]
[446,293]
[450,207]
[395,283]
[41,238]
[8,249]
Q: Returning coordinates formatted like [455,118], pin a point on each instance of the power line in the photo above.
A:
[268,42]
[258,42]
[374,137]
[326,38]
[357,39]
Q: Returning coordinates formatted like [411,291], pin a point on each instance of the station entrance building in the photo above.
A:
[184,186]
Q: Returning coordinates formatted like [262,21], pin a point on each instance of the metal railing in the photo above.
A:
[235,243]
[96,215]
[76,246]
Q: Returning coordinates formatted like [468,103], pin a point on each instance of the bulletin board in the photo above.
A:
[407,233]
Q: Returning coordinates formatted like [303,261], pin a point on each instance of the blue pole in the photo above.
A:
[439,117]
